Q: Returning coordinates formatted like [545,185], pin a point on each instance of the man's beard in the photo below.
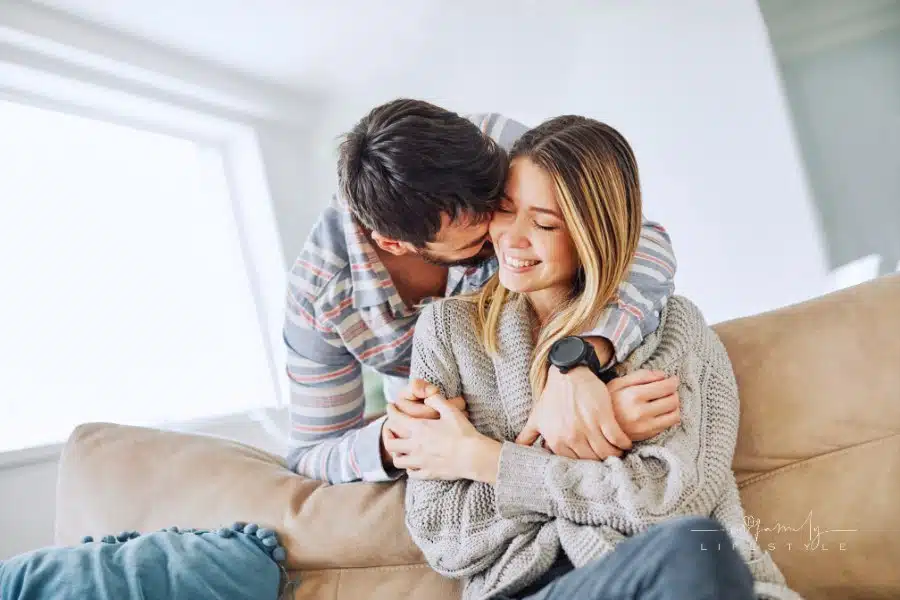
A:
[485,254]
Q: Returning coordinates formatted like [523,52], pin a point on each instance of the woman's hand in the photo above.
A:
[646,403]
[448,447]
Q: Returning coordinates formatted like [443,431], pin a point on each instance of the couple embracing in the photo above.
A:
[566,423]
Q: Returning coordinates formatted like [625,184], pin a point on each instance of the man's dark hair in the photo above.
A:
[407,162]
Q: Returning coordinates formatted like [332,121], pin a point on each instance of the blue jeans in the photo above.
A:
[670,561]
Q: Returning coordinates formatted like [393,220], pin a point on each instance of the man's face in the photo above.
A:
[463,242]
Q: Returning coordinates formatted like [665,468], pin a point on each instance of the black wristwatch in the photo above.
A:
[573,351]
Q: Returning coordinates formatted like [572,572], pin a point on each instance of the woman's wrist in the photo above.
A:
[484,458]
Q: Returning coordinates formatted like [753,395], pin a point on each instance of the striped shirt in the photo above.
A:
[344,312]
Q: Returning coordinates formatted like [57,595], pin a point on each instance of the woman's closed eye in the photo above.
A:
[545,227]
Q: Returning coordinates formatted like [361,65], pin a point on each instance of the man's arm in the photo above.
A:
[634,313]
[502,130]
[329,439]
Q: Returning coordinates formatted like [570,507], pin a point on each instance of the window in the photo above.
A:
[125,295]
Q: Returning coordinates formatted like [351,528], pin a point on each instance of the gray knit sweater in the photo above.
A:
[501,537]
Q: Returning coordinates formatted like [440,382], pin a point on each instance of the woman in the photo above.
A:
[518,521]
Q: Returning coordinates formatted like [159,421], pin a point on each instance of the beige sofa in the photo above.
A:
[819,450]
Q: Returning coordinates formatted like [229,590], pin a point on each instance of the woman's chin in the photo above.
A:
[516,283]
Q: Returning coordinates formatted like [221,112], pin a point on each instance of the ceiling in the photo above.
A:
[309,46]
[801,27]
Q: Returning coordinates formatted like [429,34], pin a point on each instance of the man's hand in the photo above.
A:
[646,403]
[576,418]
[411,403]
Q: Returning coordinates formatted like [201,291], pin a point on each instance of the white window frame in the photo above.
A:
[41,71]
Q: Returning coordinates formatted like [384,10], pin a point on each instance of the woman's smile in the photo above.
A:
[517,265]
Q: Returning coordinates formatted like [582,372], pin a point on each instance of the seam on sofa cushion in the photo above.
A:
[812,459]
[373,568]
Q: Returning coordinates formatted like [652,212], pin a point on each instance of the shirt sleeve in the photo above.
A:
[328,439]
[650,282]
[503,130]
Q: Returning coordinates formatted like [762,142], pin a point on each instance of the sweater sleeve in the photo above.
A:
[454,523]
[683,471]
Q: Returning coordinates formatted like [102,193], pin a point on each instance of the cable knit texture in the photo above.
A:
[502,537]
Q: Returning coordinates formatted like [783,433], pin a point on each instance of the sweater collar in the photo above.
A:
[512,362]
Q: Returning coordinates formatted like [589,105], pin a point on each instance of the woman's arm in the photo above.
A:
[455,523]
[685,473]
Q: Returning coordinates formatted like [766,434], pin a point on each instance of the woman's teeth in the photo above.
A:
[519,264]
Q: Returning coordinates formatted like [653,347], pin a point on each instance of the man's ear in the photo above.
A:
[395,247]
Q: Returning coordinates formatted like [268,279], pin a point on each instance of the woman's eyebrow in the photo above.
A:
[546,211]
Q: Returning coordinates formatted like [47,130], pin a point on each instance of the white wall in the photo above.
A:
[846,103]
[692,85]
[28,506]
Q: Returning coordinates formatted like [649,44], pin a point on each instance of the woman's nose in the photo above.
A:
[515,236]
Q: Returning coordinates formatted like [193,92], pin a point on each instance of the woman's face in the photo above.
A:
[529,234]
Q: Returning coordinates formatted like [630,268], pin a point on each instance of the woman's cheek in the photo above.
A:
[496,226]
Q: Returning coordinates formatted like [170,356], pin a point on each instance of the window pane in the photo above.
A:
[124,293]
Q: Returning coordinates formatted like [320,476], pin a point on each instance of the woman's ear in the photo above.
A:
[392,246]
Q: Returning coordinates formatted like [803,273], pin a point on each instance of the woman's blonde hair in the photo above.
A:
[596,179]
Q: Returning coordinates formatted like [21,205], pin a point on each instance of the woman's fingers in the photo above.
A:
[416,409]
[648,392]
[417,389]
[639,377]
[458,402]
[663,422]
[663,405]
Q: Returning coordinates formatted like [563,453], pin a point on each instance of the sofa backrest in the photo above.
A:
[818,451]
[818,455]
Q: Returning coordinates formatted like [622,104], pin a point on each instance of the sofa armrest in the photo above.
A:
[114,478]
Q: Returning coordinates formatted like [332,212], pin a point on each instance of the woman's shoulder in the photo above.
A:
[444,316]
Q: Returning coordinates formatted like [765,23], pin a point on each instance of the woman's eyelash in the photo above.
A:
[545,228]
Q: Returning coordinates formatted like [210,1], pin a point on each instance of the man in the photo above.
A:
[418,186]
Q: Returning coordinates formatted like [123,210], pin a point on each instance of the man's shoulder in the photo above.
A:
[324,261]
[501,129]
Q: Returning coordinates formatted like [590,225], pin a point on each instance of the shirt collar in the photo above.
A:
[372,284]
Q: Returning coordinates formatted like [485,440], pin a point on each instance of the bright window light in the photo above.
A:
[124,296]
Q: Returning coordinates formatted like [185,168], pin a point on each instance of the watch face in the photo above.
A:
[568,351]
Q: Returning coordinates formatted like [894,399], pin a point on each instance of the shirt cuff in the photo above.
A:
[622,329]
[520,486]
[367,454]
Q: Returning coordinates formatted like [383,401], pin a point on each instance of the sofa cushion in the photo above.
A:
[114,477]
